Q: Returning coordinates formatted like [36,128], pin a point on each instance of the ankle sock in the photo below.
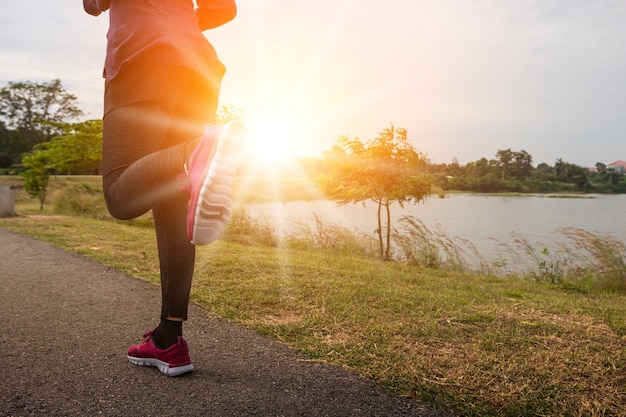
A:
[167,333]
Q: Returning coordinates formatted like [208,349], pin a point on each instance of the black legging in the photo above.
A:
[152,121]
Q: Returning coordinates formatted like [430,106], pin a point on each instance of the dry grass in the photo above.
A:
[526,363]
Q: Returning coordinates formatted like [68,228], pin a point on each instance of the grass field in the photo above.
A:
[469,344]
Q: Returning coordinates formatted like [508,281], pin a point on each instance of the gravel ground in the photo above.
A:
[67,322]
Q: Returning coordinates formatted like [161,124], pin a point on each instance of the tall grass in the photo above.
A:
[598,257]
[333,237]
[244,228]
[418,245]
[585,260]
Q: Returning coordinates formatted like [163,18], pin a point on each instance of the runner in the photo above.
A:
[162,84]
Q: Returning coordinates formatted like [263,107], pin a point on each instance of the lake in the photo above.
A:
[489,222]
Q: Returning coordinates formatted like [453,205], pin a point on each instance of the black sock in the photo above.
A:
[167,333]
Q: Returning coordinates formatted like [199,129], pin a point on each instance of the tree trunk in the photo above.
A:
[388,249]
[380,232]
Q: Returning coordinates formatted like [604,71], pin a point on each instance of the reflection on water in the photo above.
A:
[488,222]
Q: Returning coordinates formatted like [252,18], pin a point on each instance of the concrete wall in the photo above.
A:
[7,201]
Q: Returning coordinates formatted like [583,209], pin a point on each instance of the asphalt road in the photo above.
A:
[67,321]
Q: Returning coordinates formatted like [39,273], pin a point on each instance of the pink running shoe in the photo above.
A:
[172,361]
[211,169]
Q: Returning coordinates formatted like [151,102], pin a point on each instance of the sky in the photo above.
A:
[466,78]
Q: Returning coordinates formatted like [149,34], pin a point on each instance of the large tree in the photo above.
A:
[11,147]
[384,170]
[37,109]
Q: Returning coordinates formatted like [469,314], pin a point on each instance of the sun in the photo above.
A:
[271,141]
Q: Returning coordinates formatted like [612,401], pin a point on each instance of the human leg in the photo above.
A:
[192,105]
[145,145]
[138,172]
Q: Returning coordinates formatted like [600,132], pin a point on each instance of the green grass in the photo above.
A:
[470,344]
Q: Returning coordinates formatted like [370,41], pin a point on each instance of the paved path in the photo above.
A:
[66,322]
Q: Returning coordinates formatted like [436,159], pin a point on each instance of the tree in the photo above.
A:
[36,175]
[37,108]
[559,168]
[505,161]
[386,169]
[543,172]
[78,151]
[478,168]
[606,175]
[523,165]
[571,173]
[13,144]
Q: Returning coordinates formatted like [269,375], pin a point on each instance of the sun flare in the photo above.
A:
[271,141]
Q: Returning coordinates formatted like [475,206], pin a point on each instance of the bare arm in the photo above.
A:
[214,13]
[95,7]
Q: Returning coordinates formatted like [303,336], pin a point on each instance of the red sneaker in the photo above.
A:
[211,169]
[172,361]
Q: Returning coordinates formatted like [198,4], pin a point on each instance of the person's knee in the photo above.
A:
[118,212]
[116,208]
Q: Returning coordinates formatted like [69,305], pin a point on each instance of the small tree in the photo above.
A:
[386,169]
[36,175]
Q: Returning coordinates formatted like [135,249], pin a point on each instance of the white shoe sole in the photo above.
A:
[214,202]
[164,367]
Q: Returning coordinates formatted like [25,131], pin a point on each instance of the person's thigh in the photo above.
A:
[130,133]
